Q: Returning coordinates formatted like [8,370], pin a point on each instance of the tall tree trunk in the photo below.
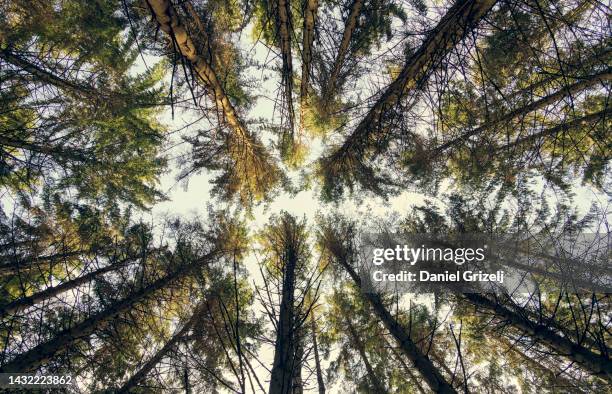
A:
[284,348]
[26,302]
[298,383]
[30,262]
[169,23]
[56,151]
[310,16]
[578,122]
[406,367]
[356,341]
[459,20]
[46,76]
[149,365]
[35,357]
[585,83]
[430,373]
[315,347]
[80,89]
[560,381]
[598,365]
[349,27]
[284,32]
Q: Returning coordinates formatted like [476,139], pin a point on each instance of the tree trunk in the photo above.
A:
[149,365]
[284,349]
[30,262]
[349,27]
[356,342]
[310,16]
[541,103]
[430,373]
[298,383]
[35,357]
[405,366]
[57,152]
[46,76]
[26,302]
[169,23]
[315,347]
[284,32]
[582,121]
[458,21]
[597,364]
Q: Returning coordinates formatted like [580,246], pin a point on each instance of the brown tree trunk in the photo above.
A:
[459,20]
[430,373]
[597,364]
[538,104]
[315,347]
[356,342]
[298,383]
[582,121]
[169,23]
[26,302]
[405,366]
[349,27]
[30,262]
[284,348]
[310,16]
[46,76]
[284,32]
[35,357]
[149,365]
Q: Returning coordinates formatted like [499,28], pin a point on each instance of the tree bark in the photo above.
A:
[406,367]
[284,348]
[310,16]
[170,24]
[538,104]
[356,342]
[26,302]
[28,263]
[315,347]
[598,365]
[149,365]
[284,32]
[430,373]
[459,20]
[35,357]
[582,121]
[349,27]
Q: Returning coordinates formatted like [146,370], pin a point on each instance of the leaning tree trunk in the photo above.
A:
[246,144]
[31,262]
[310,16]
[349,27]
[284,348]
[35,357]
[598,365]
[149,365]
[356,341]
[458,21]
[406,367]
[430,373]
[315,348]
[563,127]
[552,98]
[284,32]
[36,298]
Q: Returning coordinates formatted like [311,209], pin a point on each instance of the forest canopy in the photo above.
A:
[300,127]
